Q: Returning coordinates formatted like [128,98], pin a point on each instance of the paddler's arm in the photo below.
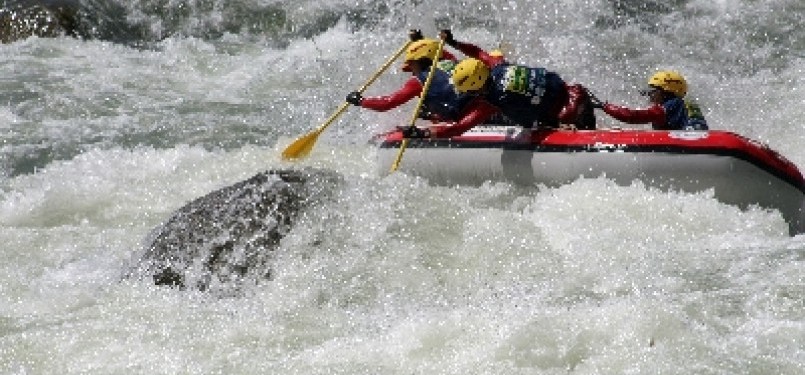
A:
[471,50]
[654,114]
[411,89]
[446,55]
[479,112]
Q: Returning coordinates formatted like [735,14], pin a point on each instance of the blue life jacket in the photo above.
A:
[442,98]
[696,119]
[526,95]
[682,114]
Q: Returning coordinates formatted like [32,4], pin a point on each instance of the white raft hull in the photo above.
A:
[740,172]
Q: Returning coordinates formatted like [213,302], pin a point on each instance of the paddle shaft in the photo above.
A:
[425,88]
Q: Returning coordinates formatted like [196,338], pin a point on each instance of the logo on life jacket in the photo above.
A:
[694,111]
[516,80]
[525,81]
[447,65]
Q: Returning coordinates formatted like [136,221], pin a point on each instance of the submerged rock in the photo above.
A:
[230,235]
[28,18]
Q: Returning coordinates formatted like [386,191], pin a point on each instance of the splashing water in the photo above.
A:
[104,136]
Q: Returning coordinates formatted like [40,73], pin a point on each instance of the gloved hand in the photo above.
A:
[447,36]
[415,35]
[354,98]
[597,103]
[414,132]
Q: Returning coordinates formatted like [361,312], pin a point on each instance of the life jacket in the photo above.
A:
[526,95]
[441,98]
[696,119]
[681,114]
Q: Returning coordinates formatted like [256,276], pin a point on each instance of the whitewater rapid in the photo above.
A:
[102,141]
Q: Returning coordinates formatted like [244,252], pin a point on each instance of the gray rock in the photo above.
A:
[46,18]
[84,19]
[230,235]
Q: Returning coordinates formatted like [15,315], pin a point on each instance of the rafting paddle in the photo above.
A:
[302,146]
[425,88]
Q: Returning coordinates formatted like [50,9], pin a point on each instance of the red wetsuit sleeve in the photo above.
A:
[410,90]
[446,55]
[474,51]
[479,110]
[654,114]
[576,95]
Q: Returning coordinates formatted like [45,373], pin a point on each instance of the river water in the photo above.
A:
[103,138]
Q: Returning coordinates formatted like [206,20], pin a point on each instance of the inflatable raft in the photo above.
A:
[740,171]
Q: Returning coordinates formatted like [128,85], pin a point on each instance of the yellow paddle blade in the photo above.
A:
[301,147]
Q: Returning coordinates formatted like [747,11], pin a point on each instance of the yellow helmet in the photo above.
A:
[496,53]
[670,81]
[470,75]
[422,49]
